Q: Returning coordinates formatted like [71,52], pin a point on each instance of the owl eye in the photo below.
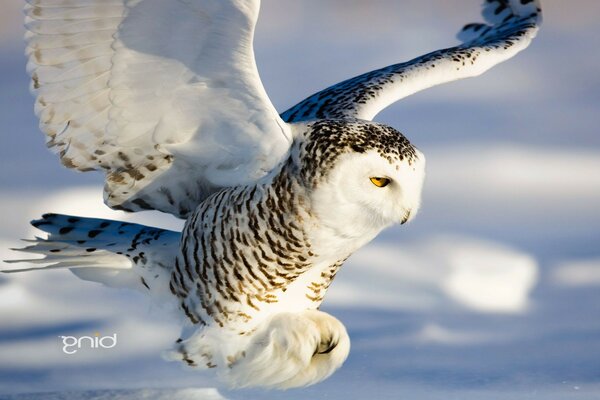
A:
[380,182]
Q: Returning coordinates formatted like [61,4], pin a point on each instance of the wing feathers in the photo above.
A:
[71,70]
[70,3]
[39,42]
[164,96]
[515,24]
[71,27]
[89,12]
[137,88]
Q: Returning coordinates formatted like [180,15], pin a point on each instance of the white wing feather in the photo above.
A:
[164,96]
[511,25]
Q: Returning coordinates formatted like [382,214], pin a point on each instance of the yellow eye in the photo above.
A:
[380,182]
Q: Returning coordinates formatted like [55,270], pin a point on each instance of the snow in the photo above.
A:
[578,273]
[490,293]
[477,275]
[144,394]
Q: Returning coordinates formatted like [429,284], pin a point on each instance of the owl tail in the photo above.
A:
[115,253]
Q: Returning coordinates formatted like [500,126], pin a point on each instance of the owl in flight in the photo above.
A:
[165,99]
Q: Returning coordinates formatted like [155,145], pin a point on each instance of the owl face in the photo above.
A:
[368,177]
[365,193]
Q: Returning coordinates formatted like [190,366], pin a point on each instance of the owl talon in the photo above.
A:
[326,347]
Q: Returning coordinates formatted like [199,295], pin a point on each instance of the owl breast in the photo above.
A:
[246,253]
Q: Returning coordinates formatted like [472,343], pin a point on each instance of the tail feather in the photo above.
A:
[115,253]
[82,230]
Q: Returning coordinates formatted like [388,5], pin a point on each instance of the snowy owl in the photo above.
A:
[164,97]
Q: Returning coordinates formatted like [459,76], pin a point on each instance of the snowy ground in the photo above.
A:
[493,292]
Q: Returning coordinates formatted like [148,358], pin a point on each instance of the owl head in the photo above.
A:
[362,176]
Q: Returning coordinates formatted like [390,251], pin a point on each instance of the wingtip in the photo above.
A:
[497,13]
[12,271]
[22,249]
[36,240]
[36,223]
[17,261]
[31,260]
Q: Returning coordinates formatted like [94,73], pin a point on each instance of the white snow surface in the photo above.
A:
[492,292]
[141,394]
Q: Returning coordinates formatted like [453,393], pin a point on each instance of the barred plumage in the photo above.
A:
[244,246]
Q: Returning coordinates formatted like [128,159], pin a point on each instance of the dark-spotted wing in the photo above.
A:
[510,27]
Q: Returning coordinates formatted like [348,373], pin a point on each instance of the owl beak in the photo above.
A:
[406,217]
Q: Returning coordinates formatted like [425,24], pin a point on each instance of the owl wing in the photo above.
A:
[511,25]
[163,96]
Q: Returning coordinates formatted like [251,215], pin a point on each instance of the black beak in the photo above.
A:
[406,217]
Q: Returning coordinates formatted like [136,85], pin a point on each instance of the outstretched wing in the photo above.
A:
[512,24]
[162,95]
